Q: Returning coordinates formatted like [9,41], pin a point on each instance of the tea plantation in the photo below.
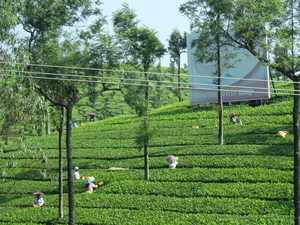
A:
[248,180]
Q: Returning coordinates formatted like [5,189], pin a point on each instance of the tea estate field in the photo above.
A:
[248,180]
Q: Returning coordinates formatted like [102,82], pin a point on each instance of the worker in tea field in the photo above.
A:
[232,117]
[76,175]
[172,161]
[233,120]
[92,117]
[89,185]
[38,200]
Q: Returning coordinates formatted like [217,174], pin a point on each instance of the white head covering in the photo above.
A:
[76,168]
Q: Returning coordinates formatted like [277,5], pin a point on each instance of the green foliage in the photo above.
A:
[177,45]
[134,97]
[248,179]
[8,19]
[144,136]
[19,106]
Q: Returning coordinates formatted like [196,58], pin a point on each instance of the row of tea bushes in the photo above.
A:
[264,191]
[203,161]
[140,217]
[185,205]
[284,149]
[249,180]
[198,204]
[267,191]
[195,174]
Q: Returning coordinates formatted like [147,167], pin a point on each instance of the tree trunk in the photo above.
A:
[179,86]
[220,99]
[146,161]
[146,128]
[221,136]
[69,108]
[48,131]
[48,121]
[60,163]
[296,152]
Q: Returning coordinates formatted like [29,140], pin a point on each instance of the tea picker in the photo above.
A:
[233,120]
[38,200]
[92,117]
[76,175]
[89,185]
[172,161]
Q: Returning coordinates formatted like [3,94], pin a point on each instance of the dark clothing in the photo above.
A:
[92,119]
[233,120]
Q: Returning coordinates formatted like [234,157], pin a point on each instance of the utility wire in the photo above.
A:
[150,85]
[139,72]
[140,80]
[118,71]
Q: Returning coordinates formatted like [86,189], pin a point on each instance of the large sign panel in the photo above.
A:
[246,79]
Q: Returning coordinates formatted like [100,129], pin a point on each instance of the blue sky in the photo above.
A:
[160,15]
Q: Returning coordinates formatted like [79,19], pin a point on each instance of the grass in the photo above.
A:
[248,180]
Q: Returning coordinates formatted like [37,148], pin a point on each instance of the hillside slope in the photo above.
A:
[248,180]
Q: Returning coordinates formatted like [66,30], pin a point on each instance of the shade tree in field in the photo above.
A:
[42,20]
[66,93]
[142,48]
[246,24]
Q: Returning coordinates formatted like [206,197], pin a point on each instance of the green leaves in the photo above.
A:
[142,42]
[249,179]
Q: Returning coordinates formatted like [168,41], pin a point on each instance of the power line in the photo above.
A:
[138,80]
[151,85]
[130,71]
[232,88]
[123,71]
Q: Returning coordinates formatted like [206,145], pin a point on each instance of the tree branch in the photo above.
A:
[97,92]
[52,100]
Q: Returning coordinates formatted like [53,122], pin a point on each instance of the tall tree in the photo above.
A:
[43,20]
[144,48]
[209,46]
[177,46]
[72,93]
[246,25]
[219,74]
[66,93]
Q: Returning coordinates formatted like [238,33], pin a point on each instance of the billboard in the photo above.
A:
[247,79]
